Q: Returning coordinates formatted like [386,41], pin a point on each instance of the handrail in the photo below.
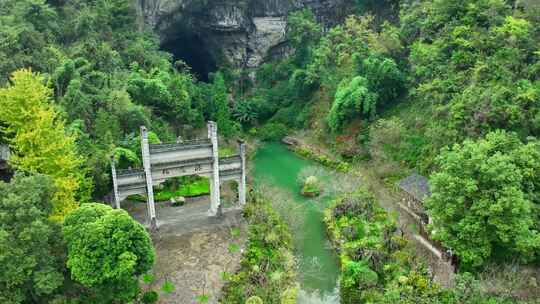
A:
[230,159]
[128,172]
[185,144]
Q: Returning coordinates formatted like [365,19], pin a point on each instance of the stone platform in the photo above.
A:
[193,250]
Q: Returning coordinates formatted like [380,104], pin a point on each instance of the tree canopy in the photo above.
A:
[31,263]
[485,197]
[107,251]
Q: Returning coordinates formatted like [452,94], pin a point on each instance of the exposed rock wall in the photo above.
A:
[244,32]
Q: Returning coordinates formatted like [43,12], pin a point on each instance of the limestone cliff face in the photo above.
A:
[244,32]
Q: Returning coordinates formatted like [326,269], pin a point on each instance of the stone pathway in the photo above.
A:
[192,250]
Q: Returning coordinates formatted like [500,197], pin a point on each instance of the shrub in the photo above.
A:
[376,265]
[311,187]
[30,245]
[289,296]
[273,131]
[268,266]
[384,78]
[254,300]
[150,297]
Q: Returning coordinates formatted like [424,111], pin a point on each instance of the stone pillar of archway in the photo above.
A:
[215,200]
[145,149]
[242,183]
[115,184]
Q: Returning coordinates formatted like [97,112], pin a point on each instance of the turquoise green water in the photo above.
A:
[318,267]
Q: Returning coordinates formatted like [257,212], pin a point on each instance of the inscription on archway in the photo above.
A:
[164,161]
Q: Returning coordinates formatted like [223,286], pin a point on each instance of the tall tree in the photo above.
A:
[39,141]
[31,267]
[220,104]
[107,252]
[485,195]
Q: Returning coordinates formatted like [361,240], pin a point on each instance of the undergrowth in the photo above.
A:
[268,267]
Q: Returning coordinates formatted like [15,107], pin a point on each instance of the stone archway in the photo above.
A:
[164,161]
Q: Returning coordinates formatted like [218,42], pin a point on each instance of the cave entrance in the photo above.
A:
[193,50]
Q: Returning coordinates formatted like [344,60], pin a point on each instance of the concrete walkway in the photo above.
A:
[191,217]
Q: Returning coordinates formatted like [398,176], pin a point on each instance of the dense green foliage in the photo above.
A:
[378,266]
[351,62]
[268,267]
[31,260]
[477,63]
[352,99]
[107,251]
[475,69]
[485,199]
[444,73]
[107,77]
[457,82]
[272,131]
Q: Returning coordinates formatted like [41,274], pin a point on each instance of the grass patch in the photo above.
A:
[189,186]
[227,151]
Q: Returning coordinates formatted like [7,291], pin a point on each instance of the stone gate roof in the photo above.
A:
[416,185]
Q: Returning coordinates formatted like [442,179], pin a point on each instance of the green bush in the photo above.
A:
[254,300]
[290,296]
[311,187]
[273,131]
[150,297]
[353,100]
[31,247]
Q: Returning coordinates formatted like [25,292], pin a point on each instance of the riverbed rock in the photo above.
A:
[246,33]
[291,141]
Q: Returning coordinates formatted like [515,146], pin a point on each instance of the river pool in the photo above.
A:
[318,269]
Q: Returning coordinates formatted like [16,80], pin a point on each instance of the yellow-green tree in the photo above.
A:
[38,139]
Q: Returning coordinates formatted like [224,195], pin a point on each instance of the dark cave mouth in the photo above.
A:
[193,50]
